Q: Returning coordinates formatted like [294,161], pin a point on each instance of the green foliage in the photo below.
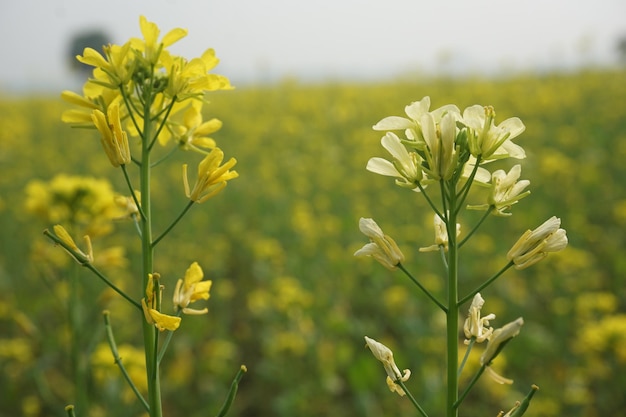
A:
[289,299]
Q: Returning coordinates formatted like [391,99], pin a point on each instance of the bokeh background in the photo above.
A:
[289,299]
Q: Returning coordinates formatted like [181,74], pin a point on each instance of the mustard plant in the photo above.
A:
[140,96]
[441,155]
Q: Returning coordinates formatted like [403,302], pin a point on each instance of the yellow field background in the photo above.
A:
[288,299]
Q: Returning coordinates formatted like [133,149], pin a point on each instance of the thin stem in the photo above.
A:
[485,284]
[91,268]
[113,286]
[489,210]
[411,398]
[162,125]
[430,202]
[467,352]
[166,156]
[118,360]
[132,190]
[171,226]
[470,386]
[421,287]
[167,340]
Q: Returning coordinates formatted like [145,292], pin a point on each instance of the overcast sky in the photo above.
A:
[260,40]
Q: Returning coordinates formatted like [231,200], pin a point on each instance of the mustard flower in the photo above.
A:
[405,166]
[150,308]
[506,190]
[191,288]
[385,355]
[150,46]
[413,124]
[534,245]
[70,246]
[476,326]
[211,176]
[114,139]
[441,235]
[159,320]
[497,340]
[112,71]
[491,141]
[381,247]
[193,133]
[440,136]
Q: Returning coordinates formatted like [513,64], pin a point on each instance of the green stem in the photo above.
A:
[489,210]
[411,398]
[467,352]
[485,284]
[166,156]
[132,190]
[167,340]
[469,387]
[452,315]
[421,287]
[147,250]
[430,202]
[171,226]
[118,360]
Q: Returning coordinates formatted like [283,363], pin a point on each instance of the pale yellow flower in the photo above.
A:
[404,166]
[385,355]
[499,338]
[476,326]
[534,245]
[489,140]
[381,247]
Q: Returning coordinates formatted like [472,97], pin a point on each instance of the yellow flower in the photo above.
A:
[534,245]
[381,247]
[70,246]
[193,133]
[499,338]
[161,321]
[211,176]
[191,288]
[150,45]
[491,141]
[405,166]
[113,138]
[476,326]
[385,355]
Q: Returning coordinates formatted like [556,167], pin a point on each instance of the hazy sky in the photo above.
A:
[259,40]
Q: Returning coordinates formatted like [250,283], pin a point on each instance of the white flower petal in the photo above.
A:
[383,167]
[393,123]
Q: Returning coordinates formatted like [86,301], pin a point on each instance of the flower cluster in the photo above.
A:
[445,143]
[128,77]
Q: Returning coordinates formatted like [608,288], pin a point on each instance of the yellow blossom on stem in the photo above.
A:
[497,340]
[489,140]
[191,288]
[159,320]
[381,247]
[476,326]
[70,246]
[534,245]
[385,355]
[212,176]
[113,138]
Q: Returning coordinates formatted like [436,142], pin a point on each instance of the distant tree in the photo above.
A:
[95,39]
[621,49]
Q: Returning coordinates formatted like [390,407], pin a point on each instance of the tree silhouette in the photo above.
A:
[95,39]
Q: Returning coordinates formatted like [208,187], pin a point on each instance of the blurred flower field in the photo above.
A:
[288,299]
